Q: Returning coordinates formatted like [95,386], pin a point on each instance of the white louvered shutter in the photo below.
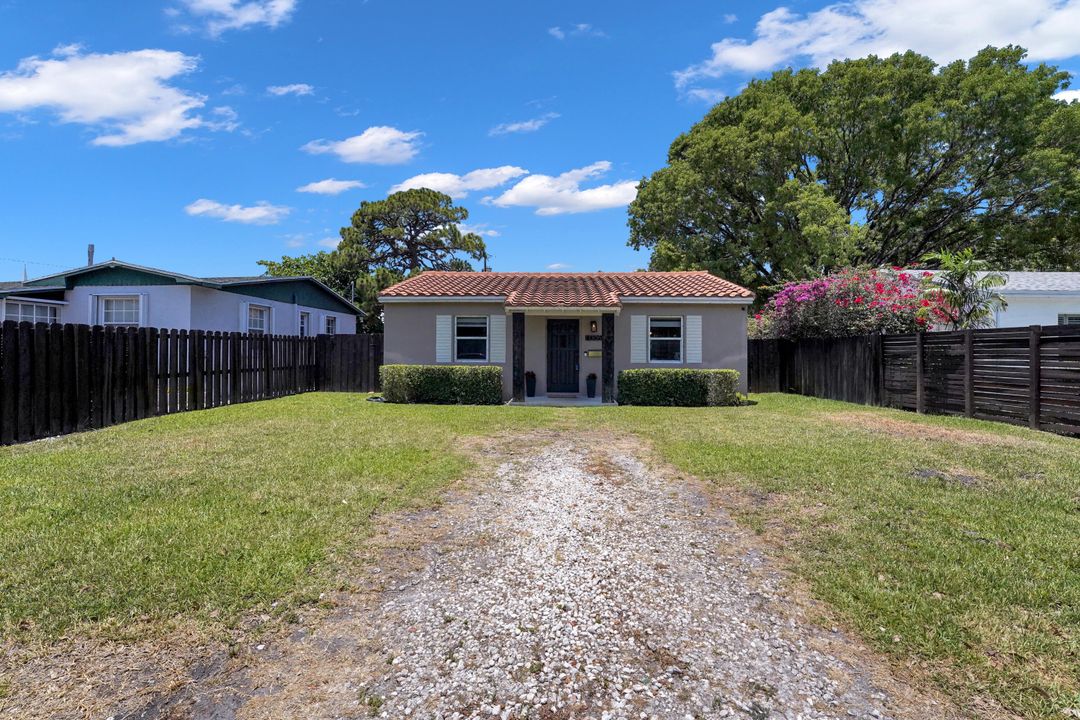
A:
[497,339]
[92,302]
[144,309]
[243,317]
[693,339]
[639,332]
[442,338]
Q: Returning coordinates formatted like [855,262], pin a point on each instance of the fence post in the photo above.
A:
[969,373]
[920,381]
[1035,369]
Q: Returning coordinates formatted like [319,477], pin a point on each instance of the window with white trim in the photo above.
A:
[120,311]
[471,338]
[1069,319]
[331,325]
[258,320]
[665,339]
[30,312]
[305,323]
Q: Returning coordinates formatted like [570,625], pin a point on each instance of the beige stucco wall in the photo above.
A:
[410,337]
[723,335]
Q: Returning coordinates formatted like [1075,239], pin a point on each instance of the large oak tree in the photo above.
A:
[876,161]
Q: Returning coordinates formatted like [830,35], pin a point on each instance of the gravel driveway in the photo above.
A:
[581,584]
[567,580]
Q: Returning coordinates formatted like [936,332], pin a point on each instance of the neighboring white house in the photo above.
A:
[1040,298]
[121,294]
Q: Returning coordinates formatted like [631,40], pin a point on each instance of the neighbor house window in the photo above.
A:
[120,311]
[1069,319]
[471,338]
[331,325]
[305,323]
[29,312]
[665,339]
[258,319]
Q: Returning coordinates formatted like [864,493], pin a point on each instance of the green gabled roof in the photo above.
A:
[303,290]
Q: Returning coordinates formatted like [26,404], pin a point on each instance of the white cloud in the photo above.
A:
[222,15]
[524,126]
[708,95]
[292,89]
[224,118]
[563,193]
[126,94]
[578,30]
[379,145]
[1068,95]
[730,18]
[483,230]
[330,242]
[330,186]
[261,213]
[559,266]
[857,28]
[459,186]
[294,241]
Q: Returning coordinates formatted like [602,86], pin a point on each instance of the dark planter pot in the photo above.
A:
[590,386]
[530,385]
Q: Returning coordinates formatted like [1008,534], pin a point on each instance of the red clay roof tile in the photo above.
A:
[566,289]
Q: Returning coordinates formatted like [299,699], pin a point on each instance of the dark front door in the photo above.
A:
[562,356]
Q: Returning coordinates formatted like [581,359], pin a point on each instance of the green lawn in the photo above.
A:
[211,513]
[973,577]
[952,545]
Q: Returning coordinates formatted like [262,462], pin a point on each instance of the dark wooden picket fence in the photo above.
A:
[57,379]
[1027,376]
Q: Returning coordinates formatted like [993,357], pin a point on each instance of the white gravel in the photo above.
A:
[603,591]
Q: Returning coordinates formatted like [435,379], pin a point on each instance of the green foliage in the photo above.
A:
[968,287]
[388,240]
[679,386]
[873,161]
[442,384]
[411,231]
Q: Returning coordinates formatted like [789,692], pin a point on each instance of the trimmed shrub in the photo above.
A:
[442,384]
[679,386]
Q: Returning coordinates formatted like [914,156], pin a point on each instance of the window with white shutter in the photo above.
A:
[443,325]
[497,333]
[693,339]
[638,339]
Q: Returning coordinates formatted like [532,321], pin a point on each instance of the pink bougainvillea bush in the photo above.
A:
[854,301]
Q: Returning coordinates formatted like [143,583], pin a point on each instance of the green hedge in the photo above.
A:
[442,384]
[678,386]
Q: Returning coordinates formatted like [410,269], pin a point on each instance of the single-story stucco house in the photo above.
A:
[565,326]
[121,294]
[1039,298]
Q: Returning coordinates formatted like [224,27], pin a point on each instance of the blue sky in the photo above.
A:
[203,135]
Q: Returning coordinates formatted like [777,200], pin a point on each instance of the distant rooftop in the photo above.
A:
[1034,282]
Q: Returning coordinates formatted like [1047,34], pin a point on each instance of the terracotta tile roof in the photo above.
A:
[566,289]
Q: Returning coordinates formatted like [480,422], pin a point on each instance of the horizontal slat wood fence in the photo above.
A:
[57,379]
[1026,376]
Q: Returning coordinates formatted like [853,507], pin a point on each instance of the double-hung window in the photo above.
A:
[29,312]
[120,311]
[305,324]
[1069,319]
[331,325]
[471,338]
[665,339]
[258,319]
